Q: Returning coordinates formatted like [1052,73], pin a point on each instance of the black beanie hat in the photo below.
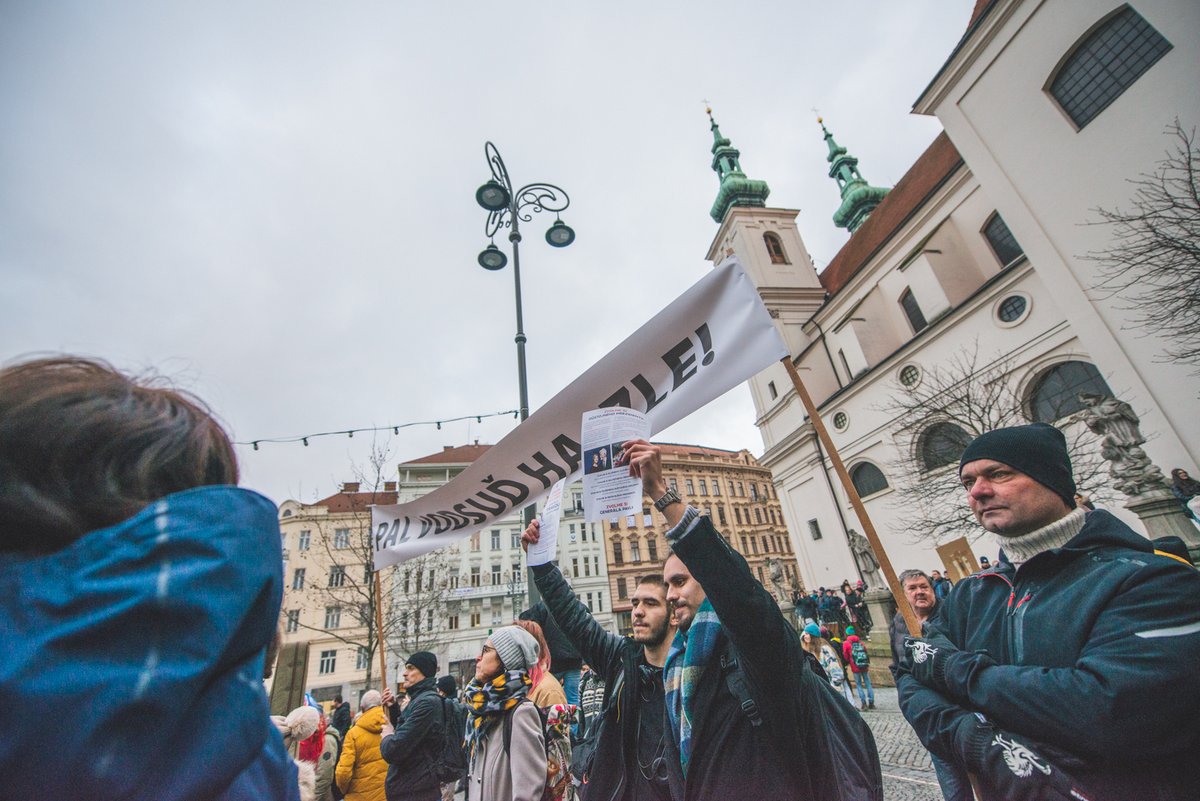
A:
[448,686]
[1038,450]
[424,662]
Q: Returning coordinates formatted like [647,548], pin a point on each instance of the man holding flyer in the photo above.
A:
[746,717]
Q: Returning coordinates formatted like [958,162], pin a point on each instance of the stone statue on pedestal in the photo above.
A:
[864,557]
[1115,421]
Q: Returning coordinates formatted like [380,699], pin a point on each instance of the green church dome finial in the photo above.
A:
[736,189]
[859,198]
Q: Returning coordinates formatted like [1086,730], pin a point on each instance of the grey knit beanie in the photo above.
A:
[516,647]
[371,698]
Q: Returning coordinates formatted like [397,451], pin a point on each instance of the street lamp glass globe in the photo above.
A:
[492,258]
[492,196]
[560,234]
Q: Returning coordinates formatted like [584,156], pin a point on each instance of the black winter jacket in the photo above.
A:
[788,756]
[411,751]
[610,657]
[1091,649]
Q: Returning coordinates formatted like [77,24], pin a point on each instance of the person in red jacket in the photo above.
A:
[855,652]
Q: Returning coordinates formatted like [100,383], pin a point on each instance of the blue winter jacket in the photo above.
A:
[1091,649]
[132,660]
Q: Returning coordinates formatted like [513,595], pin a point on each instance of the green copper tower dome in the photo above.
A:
[736,189]
[859,198]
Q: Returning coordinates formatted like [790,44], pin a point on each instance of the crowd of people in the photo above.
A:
[143,590]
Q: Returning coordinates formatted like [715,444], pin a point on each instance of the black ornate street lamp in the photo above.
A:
[508,209]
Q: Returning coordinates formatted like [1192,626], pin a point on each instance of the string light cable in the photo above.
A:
[395,429]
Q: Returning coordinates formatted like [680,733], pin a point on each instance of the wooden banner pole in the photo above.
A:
[379,643]
[885,564]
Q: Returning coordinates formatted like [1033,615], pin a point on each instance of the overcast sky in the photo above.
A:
[272,203]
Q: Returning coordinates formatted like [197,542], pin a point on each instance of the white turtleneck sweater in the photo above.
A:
[1021,549]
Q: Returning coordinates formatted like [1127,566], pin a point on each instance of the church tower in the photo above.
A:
[859,198]
[767,243]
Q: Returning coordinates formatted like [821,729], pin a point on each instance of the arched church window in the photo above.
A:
[775,248]
[1106,62]
[1055,394]
[1002,242]
[942,444]
[868,479]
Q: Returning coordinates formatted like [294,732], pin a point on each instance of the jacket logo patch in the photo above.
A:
[922,651]
[1020,760]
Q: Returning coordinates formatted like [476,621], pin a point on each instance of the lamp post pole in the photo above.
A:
[508,209]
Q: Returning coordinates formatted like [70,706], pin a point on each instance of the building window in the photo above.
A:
[476,579]
[741,490]
[754,492]
[475,541]
[298,579]
[673,484]
[341,538]
[916,318]
[587,567]
[475,616]
[691,489]
[703,488]
[333,617]
[841,421]
[293,620]
[600,601]
[575,568]
[775,248]
[814,528]
[721,516]
[328,662]
[754,545]
[515,539]
[337,576]
[774,393]
[910,375]
[614,524]
[1002,242]
[652,548]
[1106,63]
[303,540]
[868,479]
[452,623]
[362,658]
[745,545]
[635,551]
[758,516]
[631,521]
[496,575]
[1012,308]
[717,487]
[589,602]
[1056,394]
[495,539]
[622,592]
[942,444]
[429,620]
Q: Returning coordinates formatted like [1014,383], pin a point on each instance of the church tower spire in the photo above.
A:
[859,198]
[736,189]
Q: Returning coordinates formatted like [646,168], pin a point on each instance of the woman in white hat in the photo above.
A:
[504,732]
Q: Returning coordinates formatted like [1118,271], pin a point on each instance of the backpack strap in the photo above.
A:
[739,685]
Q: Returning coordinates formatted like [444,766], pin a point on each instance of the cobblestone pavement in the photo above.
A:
[907,772]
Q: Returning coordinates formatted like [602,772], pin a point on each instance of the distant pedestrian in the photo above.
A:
[411,740]
[361,771]
[1186,489]
[985,563]
[320,750]
[855,652]
[941,584]
[456,724]
[342,717]
[826,656]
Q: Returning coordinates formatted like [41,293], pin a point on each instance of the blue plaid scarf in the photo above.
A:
[689,653]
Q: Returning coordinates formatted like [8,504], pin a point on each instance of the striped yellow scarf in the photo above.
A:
[487,703]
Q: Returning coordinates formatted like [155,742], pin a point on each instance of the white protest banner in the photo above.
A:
[713,337]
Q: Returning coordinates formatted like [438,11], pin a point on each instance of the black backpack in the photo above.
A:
[450,761]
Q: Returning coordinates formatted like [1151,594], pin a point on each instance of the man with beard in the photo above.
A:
[1068,670]
[629,759]
[746,716]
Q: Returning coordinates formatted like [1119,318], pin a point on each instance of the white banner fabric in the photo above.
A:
[713,337]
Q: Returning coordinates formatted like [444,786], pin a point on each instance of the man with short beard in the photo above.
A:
[1069,669]
[629,760]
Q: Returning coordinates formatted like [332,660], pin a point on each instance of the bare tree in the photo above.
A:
[343,590]
[420,606]
[955,402]
[1153,262]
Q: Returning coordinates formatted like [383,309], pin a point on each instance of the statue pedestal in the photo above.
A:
[882,608]
[1163,516]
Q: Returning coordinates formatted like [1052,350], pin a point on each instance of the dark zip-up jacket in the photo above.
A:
[411,751]
[1091,649]
[792,755]
[611,658]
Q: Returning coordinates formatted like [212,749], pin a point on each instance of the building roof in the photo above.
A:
[982,7]
[354,501]
[453,454]
[923,178]
[683,449]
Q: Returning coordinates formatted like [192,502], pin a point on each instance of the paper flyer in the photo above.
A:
[608,489]
[547,546]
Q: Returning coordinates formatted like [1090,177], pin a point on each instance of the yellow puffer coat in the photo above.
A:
[361,771]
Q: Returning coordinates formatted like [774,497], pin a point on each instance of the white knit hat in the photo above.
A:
[371,698]
[299,725]
[516,647]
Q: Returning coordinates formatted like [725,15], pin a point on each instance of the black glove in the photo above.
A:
[926,659]
[1014,767]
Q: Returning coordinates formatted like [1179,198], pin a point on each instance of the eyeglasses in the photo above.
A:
[487,649]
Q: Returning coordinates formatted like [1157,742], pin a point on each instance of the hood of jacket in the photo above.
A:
[371,720]
[146,640]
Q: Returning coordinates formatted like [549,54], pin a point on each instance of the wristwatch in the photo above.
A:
[668,498]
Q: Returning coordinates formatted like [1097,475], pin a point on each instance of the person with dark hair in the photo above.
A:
[1185,489]
[342,716]
[563,655]
[142,589]
[1036,677]
[411,738]
[456,713]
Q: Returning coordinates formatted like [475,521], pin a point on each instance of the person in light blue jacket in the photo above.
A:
[139,590]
